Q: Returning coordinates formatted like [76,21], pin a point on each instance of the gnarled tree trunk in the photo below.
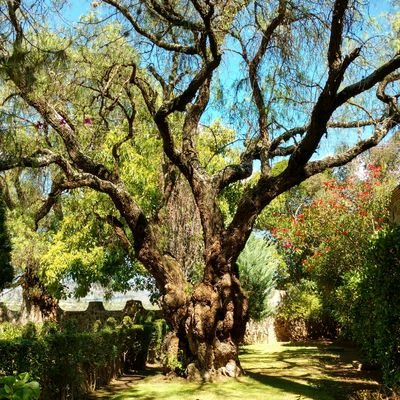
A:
[208,324]
[37,304]
[207,328]
[215,325]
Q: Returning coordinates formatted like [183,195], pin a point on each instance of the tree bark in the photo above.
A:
[215,326]
[38,305]
[209,325]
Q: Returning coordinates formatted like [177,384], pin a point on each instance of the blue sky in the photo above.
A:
[76,8]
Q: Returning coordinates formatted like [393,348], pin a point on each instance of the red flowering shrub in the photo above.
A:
[325,242]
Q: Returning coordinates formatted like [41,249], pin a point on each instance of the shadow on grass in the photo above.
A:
[136,393]
[309,390]
[287,359]
[221,391]
[318,389]
[123,383]
[316,372]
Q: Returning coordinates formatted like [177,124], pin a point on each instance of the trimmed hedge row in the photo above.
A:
[69,363]
[376,311]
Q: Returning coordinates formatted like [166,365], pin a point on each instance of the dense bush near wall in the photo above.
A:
[377,310]
[156,333]
[67,362]
[301,315]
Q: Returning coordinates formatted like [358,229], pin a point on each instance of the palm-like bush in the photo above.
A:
[258,264]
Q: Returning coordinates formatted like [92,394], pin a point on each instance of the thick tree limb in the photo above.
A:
[179,103]
[288,135]
[67,131]
[191,124]
[58,186]
[383,96]
[40,158]
[368,82]
[119,230]
[336,37]
[338,160]
[13,7]
[235,172]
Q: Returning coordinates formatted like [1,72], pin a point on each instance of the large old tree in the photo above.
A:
[304,72]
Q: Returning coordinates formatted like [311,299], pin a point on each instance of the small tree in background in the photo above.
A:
[258,264]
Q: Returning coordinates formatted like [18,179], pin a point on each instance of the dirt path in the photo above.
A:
[124,383]
[304,371]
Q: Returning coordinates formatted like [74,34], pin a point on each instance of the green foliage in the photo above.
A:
[79,360]
[301,302]
[85,249]
[346,295]
[174,363]
[376,311]
[302,314]
[396,28]
[158,330]
[6,269]
[258,264]
[19,387]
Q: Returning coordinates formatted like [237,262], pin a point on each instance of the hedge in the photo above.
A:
[69,363]
[376,312]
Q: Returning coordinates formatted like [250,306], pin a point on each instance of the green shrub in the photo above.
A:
[68,362]
[377,310]
[301,314]
[258,264]
[157,334]
[19,387]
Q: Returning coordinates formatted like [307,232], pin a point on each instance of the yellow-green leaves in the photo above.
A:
[396,28]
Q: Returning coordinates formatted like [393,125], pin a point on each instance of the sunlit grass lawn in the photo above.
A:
[273,372]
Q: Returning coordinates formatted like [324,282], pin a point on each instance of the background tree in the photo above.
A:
[301,91]
[258,267]
[23,192]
